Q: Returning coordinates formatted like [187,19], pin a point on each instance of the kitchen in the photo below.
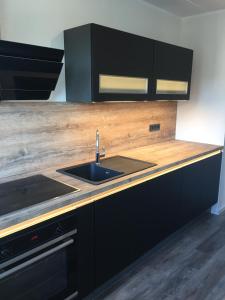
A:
[77,229]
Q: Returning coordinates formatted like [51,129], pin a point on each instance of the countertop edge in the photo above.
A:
[125,183]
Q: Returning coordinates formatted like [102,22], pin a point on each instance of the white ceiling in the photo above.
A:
[186,8]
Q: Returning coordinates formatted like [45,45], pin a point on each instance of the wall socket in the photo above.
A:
[154,127]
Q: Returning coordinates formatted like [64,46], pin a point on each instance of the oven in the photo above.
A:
[40,263]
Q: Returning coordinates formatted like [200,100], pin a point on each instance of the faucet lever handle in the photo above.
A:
[103,153]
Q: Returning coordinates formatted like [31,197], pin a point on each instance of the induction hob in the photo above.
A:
[29,191]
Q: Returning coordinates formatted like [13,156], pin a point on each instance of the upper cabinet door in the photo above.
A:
[173,68]
[122,65]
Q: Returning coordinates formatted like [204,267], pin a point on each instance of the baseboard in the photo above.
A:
[217,209]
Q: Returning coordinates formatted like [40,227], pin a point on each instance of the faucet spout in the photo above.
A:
[98,154]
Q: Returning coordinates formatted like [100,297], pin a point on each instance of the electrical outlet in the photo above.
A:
[154,127]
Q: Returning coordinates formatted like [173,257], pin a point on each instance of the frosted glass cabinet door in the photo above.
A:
[122,65]
[172,70]
[173,87]
[122,85]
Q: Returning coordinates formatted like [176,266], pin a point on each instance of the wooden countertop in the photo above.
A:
[168,156]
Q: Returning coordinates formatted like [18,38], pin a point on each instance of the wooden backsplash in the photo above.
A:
[35,136]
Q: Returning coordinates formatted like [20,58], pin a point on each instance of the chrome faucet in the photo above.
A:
[98,153]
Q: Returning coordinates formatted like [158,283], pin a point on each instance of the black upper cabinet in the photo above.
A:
[119,56]
[105,64]
[119,53]
[172,69]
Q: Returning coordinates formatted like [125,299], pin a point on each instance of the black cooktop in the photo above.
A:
[32,190]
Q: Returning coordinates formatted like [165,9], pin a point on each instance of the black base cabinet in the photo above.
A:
[199,188]
[129,223]
[85,254]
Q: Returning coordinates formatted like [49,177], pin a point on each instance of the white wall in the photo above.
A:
[1,15]
[42,22]
[202,119]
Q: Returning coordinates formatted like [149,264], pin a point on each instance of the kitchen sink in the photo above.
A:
[109,169]
[91,172]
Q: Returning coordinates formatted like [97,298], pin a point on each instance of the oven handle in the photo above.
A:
[36,259]
[73,296]
[37,249]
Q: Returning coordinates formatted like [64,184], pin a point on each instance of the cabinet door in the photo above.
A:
[129,223]
[122,65]
[85,250]
[200,187]
[173,68]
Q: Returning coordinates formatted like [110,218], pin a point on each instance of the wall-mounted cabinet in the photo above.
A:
[172,70]
[122,65]
[105,64]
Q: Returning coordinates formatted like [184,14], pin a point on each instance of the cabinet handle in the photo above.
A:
[73,296]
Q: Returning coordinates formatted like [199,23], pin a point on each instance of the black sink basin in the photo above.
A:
[109,169]
[92,173]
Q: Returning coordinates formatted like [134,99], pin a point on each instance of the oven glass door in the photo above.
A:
[47,272]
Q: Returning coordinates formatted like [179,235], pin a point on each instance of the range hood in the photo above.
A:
[28,72]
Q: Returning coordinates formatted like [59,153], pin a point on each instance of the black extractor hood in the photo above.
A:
[28,72]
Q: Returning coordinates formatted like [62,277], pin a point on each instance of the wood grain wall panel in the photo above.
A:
[36,136]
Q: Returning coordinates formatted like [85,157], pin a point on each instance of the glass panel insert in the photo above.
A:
[111,84]
[172,87]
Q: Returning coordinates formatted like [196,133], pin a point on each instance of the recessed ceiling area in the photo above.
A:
[186,8]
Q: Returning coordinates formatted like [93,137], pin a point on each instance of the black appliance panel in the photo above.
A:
[9,48]
[29,191]
[24,95]
[28,74]
[40,263]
